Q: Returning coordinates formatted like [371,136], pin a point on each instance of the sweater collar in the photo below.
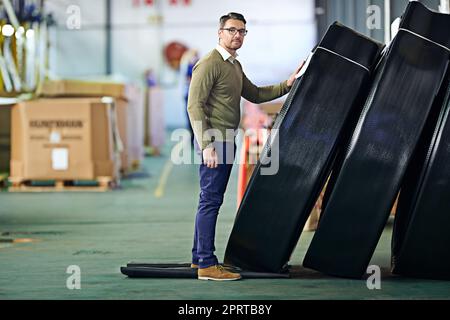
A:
[225,54]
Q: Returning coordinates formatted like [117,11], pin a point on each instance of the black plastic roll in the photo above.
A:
[183,270]
[399,105]
[321,107]
[155,272]
[158,265]
[421,234]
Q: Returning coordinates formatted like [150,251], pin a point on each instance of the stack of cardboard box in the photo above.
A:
[129,109]
[130,116]
[5,137]
[76,130]
[63,139]
[154,120]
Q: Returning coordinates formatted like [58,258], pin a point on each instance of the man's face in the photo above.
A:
[229,40]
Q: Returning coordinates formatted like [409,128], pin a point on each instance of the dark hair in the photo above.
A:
[231,15]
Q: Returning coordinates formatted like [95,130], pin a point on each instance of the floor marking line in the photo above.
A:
[168,166]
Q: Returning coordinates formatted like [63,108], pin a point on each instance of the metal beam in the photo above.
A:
[108,43]
[387,21]
[444,6]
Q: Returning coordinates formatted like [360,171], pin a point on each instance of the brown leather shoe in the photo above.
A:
[194,266]
[217,273]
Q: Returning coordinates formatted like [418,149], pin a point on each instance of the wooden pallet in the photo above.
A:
[101,184]
[132,168]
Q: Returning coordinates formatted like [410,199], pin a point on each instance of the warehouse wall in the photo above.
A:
[281,33]
[78,52]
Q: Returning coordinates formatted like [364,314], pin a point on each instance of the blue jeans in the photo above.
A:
[213,183]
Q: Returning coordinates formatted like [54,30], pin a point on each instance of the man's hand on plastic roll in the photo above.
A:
[291,79]
[210,158]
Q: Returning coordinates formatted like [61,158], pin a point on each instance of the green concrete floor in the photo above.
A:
[99,232]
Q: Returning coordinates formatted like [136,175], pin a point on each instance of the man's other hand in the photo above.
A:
[291,79]
[210,158]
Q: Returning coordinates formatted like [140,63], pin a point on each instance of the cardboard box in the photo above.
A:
[130,115]
[155,130]
[5,137]
[63,139]
[123,125]
[130,111]
[81,88]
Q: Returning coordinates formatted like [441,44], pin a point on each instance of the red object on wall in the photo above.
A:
[175,2]
[173,53]
[137,3]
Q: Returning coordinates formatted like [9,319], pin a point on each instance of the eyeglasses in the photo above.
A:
[233,31]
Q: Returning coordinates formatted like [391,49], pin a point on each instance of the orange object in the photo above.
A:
[394,208]
[242,174]
[173,53]
[256,121]
[252,147]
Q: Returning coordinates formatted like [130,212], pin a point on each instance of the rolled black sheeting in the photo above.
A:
[421,234]
[183,270]
[311,125]
[155,272]
[395,114]
[158,265]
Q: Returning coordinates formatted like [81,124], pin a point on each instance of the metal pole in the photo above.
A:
[444,7]
[108,45]
[387,21]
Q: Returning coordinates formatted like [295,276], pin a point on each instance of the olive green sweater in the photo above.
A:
[215,93]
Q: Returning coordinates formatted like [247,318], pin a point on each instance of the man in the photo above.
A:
[217,84]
